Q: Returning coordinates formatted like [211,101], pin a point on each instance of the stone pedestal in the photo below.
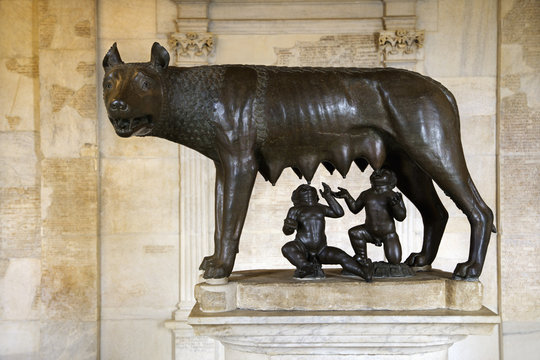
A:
[340,334]
[278,290]
[269,315]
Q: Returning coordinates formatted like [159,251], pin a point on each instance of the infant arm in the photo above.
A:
[398,206]
[355,206]
[290,224]
[334,209]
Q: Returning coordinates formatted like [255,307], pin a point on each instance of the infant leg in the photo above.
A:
[359,237]
[296,254]
[392,249]
[333,255]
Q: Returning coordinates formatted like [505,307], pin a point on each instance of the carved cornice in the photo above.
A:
[192,47]
[231,17]
[400,41]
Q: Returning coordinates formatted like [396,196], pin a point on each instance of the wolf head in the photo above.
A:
[133,92]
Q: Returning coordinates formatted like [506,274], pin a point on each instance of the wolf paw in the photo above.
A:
[217,270]
[469,270]
[208,262]
[417,260]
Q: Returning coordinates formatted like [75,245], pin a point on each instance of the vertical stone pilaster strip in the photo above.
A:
[192,45]
[196,220]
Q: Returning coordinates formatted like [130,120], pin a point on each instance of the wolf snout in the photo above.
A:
[118,105]
[122,124]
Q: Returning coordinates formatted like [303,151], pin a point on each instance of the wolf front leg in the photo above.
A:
[236,165]
[208,261]
[233,192]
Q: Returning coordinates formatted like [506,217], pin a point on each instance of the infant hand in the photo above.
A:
[326,190]
[290,223]
[397,199]
[341,194]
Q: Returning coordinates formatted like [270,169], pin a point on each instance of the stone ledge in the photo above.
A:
[271,290]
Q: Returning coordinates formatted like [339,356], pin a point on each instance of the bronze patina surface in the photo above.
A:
[251,119]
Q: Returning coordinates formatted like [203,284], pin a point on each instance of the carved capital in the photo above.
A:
[403,42]
[192,47]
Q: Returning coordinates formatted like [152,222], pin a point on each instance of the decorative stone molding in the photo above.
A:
[291,17]
[192,44]
[341,335]
[400,41]
[399,14]
[192,47]
[401,48]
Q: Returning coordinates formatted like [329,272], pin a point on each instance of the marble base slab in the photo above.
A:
[265,290]
[373,334]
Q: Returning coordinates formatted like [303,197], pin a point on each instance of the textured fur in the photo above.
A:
[251,119]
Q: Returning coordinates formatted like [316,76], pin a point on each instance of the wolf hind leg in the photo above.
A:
[418,187]
[449,171]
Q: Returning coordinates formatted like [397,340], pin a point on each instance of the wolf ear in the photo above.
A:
[160,57]
[112,58]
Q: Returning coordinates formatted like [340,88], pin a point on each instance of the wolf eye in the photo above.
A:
[143,83]
[146,84]
[108,85]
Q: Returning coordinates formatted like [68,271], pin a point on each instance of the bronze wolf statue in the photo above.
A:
[251,119]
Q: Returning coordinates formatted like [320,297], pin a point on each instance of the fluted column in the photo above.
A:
[196,220]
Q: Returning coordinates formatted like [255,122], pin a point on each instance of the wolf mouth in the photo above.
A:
[138,126]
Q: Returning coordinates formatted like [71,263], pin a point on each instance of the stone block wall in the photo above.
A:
[49,164]
[519,171]
[20,182]
[139,207]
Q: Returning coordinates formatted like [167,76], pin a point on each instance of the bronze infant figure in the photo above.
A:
[309,250]
[250,119]
[382,206]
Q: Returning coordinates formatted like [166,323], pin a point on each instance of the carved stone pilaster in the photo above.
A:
[196,238]
[192,47]
[192,44]
[401,41]
[197,220]
[401,47]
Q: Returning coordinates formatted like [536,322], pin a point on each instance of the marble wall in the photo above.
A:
[49,188]
[20,206]
[139,207]
[519,170]
[89,222]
